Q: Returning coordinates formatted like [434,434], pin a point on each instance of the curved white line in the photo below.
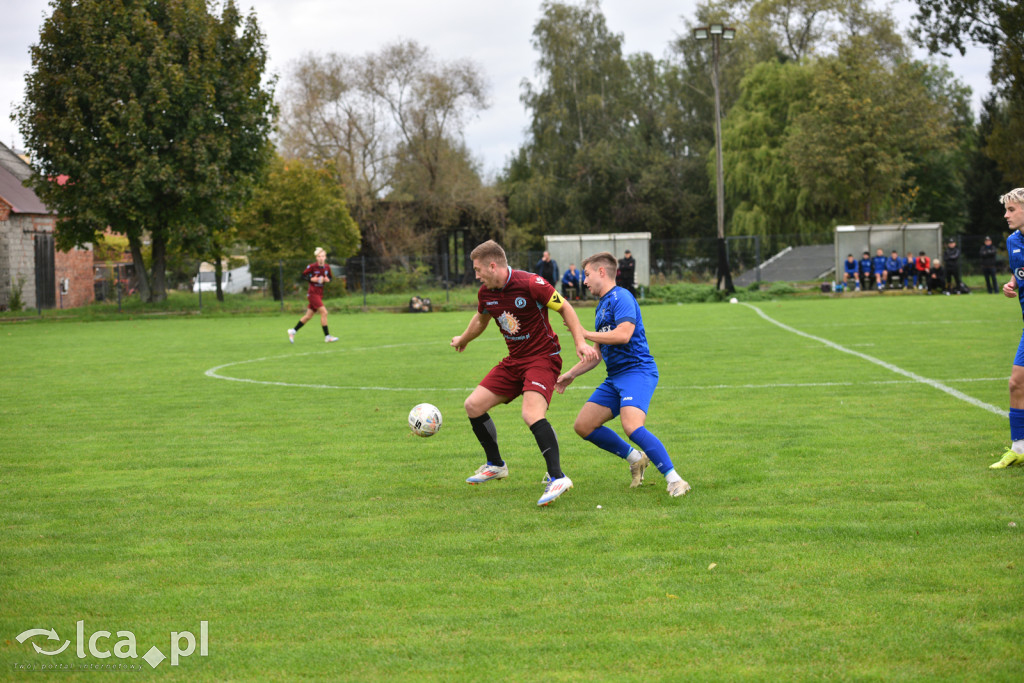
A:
[935,384]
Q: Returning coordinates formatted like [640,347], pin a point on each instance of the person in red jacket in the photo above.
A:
[923,266]
[318,274]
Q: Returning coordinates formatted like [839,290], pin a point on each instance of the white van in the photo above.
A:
[232,281]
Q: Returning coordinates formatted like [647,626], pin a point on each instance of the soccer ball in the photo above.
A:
[425,420]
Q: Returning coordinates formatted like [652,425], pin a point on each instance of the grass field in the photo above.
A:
[843,524]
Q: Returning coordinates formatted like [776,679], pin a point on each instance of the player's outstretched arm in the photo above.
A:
[1010,288]
[475,328]
[584,351]
[582,367]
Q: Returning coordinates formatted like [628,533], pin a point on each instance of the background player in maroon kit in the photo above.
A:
[318,274]
[518,302]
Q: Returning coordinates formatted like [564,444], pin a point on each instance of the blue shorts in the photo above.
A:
[1019,359]
[628,389]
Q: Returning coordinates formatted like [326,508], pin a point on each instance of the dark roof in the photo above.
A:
[21,198]
[10,160]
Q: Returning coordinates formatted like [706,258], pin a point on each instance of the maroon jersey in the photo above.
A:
[520,311]
[316,270]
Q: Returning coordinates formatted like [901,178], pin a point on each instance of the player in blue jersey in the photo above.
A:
[620,339]
[865,271]
[1013,202]
[851,273]
[893,269]
[878,266]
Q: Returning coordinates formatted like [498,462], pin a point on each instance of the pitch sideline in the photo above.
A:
[935,384]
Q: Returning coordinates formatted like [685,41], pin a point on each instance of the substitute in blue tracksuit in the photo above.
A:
[878,263]
[850,273]
[866,270]
[894,269]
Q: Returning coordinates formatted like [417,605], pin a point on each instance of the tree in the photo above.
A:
[390,125]
[947,25]
[985,183]
[297,208]
[865,124]
[157,114]
[761,184]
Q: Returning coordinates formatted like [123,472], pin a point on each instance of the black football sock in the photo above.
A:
[487,435]
[298,326]
[326,333]
[544,433]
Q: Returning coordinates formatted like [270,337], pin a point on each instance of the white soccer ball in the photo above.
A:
[425,420]
[734,300]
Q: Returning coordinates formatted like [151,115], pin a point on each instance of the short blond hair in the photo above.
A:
[318,251]
[1013,197]
[489,251]
[602,258]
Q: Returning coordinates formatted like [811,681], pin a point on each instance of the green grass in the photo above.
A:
[855,529]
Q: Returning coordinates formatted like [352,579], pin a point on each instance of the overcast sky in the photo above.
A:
[496,35]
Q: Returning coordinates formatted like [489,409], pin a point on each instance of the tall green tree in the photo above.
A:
[297,208]
[158,115]
[561,179]
[865,124]
[984,182]
[761,183]
[947,25]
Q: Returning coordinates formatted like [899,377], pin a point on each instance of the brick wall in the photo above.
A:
[18,258]
[18,263]
[76,266]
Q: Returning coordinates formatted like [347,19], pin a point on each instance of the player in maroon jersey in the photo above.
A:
[318,274]
[518,302]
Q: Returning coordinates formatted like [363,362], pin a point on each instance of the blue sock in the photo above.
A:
[605,438]
[1016,424]
[652,446]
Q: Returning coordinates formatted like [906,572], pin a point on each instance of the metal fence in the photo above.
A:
[671,261]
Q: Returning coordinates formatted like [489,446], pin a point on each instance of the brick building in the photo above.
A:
[29,263]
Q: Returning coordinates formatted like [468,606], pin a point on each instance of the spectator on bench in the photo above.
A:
[572,281]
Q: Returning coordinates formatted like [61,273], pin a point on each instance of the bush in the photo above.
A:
[16,303]
[781,289]
[400,280]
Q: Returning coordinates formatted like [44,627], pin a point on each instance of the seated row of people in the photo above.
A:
[893,272]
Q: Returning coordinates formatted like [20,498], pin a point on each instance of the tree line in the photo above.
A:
[160,121]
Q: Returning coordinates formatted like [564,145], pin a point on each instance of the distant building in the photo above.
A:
[29,263]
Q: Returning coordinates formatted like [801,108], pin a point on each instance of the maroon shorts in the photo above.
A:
[315,302]
[512,376]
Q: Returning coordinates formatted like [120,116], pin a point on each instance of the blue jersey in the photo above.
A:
[1015,250]
[850,267]
[893,264]
[879,263]
[865,266]
[615,307]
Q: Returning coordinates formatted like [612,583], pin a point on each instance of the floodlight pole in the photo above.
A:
[716,33]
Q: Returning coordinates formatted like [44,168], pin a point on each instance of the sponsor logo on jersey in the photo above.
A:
[1016,251]
[509,323]
[490,303]
[520,302]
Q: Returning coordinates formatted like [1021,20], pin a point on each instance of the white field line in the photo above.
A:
[935,384]
[215,373]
